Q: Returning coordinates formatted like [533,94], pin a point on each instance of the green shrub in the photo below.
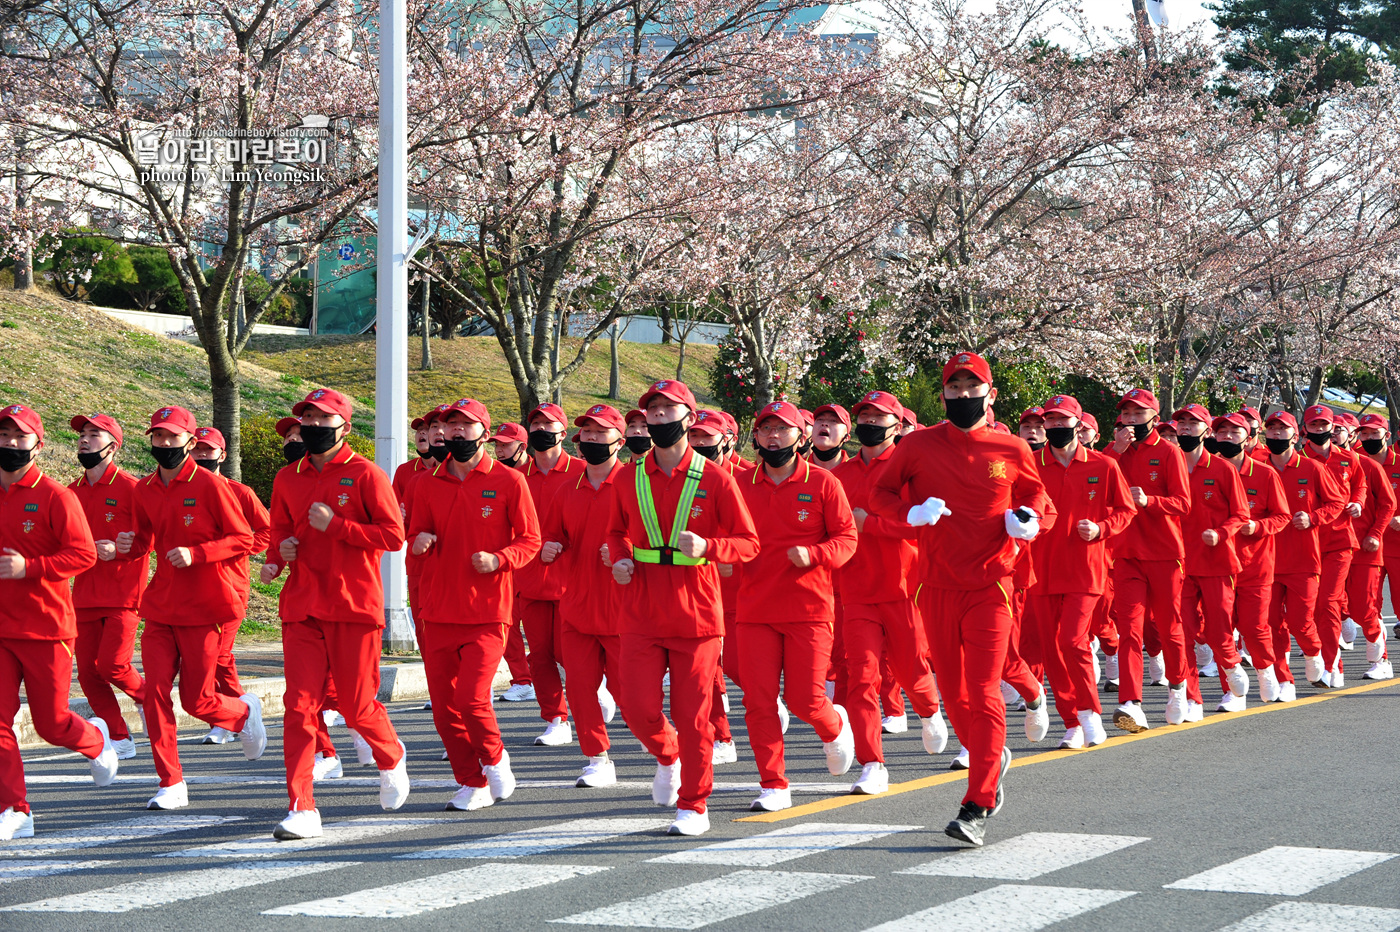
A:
[156,287]
[262,453]
[86,266]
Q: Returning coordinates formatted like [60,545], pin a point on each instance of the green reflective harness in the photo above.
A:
[666,553]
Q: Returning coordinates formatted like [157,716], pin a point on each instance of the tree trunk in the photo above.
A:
[224,379]
[665,315]
[427,360]
[680,360]
[1314,388]
[1392,398]
[614,375]
[24,261]
[757,358]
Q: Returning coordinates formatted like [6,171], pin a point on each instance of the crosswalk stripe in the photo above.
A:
[1282,871]
[1006,908]
[347,832]
[1025,857]
[697,905]
[173,888]
[109,833]
[24,870]
[546,838]
[784,844]
[1318,917]
[439,891]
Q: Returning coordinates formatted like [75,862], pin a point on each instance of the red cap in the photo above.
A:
[417,424]
[100,421]
[711,422]
[1036,412]
[883,402]
[550,411]
[25,418]
[284,426]
[635,412]
[785,411]
[602,416]
[807,418]
[211,436]
[909,416]
[1374,420]
[511,432]
[1319,413]
[473,409]
[671,390]
[1000,428]
[1348,419]
[1067,405]
[730,425]
[841,414]
[1253,413]
[1141,398]
[325,400]
[174,419]
[1087,418]
[970,362]
[436,413]
[1192,412]
[574,438]
[1234,419]
[1282,417]
[1164,426]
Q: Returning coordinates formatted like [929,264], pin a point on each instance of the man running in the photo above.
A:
[1368,564]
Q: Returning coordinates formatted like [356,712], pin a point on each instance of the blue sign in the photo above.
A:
[346,252]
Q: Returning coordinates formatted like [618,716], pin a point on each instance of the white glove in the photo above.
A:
[927,514]
[1022,530]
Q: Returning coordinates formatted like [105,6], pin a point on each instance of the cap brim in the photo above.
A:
[300,408]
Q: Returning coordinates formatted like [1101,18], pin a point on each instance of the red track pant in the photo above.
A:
[1332,588]
[1364,599]
[45,668]
[728,665]
[461,662]
[1207,613]
[515,656]
[873,633]
[1138,585]
[968,632]
[1063,622]
[797,653]
[104,652]
[891,696]
[587,658]
[1391,571]
[1252,620]
[226,675]
[1027,681]
[192,652]
[837,669]
[544,629]
[1291,612]
[349,653]
[692,662]
[1103,626]
[413,610]
[324,747]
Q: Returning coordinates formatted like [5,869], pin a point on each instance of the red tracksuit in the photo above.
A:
[541,588]
[786,613]
[1390,542]
[1073,572]
[226,677]
[1364,581]
[729,647]
[881,623]
[465,613]
[1218,503]
[673,617]
[967,558]
[1263,492]
[332,605]
[107,596]
[405,477]
[44,523]
[1308,487]
[1338,542]
[578,519]
[1147,562]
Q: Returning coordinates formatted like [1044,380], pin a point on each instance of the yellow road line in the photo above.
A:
[953,776]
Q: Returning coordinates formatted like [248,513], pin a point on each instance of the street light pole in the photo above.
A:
[391,335]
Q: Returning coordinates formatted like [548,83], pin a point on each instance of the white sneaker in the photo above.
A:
[1338,679]
[174,796]
[772,800]
[1156,670]
[1098,667]
[427,707]
[1209,671]
[327,768]
[1287,692]
[1195,711]
[724,702]
[599,771]
[1268,684]
[895,724]
[1375,650]
[607,703]
[1094,732]
[363,752]
[1204,655]
[104,765]
[556,733]
[125,748]
[784,717]
[725,752]
[1009,695]
[1038,719]
[1313,670]
[841,752]
[253,737]
[1238,680]
[393,783]
[1380,670]
[831,689]
[500,779]
[333,718]
[1350,630]
[1176,705]
[962,761]
[666,785]
[219,735]
[520,692]
[1130,718]
[689,822]
[666,679]
[1110,669]
[15,824]
[299,823]
[874,780]
[470,798]
[1073,739]
[935,732]
[1230,702]
[445,755]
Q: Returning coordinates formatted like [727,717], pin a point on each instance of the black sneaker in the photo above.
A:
[970,825]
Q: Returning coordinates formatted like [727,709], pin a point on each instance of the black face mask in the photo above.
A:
[462,449]
[777,458]
[439,451]
[1036,444]
[89,460]
[1373,446]
[12,460]
[1140,431]
[595,453]
[515,460]
[1278,445]
[168,457]
[872,435]
[426,455]
[211,465]
[1320,438]
[964,412]
[1059,437]
[805,447]
[318,438]
[639,445]
[293,450]
[1227,449]
[1187,442]
[1211,444]
[826,456]
[710,451]
[667,435]
[544,440]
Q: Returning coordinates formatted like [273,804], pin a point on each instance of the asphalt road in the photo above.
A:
[1290,802]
